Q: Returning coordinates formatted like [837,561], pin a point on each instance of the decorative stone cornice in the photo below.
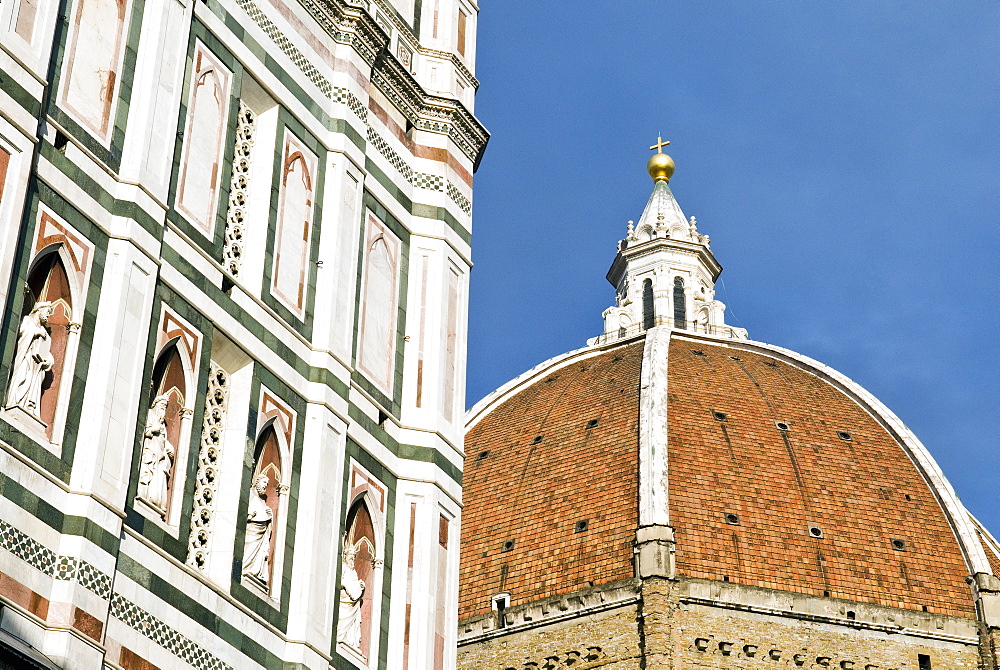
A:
[348,23]
[455,60]
[404,30]
[630,253]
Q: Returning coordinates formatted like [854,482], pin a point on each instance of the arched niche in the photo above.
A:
[166,430]
[266,509]
[47,340]
[362,554]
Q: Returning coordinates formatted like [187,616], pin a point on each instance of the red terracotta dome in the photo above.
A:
[780,473]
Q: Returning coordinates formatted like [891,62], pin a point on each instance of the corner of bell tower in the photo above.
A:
[664,272]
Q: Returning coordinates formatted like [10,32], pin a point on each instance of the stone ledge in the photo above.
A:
[549,611]
[816,609]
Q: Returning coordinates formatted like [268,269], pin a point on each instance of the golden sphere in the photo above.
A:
[660,166]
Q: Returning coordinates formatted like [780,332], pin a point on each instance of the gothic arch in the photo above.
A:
[294,226]
[376,347]
[166,430]
[51,292]
[204,135]
[361,547]
[262,561]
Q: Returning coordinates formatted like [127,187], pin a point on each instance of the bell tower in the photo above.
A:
[664,272]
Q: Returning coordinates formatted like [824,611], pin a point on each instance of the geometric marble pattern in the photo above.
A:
[464,203]
[335,93]
[91,578]
[43,559]
[394,158]
[431,182]
[68,568]
[28,550]
[139,619]
[297,57]
[342,95]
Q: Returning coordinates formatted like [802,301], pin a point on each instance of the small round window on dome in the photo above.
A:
[483,455]
[844,435]
[508,545]
[815,531]
[593,423]
[781,425]
[720,416]
[697,352]
[770,364]
[733,519]
[581,526]
[735,358]
[537,439]
[898,544]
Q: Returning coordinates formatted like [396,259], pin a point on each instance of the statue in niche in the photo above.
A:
[352,590]
[32,360]
[157,456]
[257,545]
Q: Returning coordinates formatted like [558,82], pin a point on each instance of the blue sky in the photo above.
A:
[844,158]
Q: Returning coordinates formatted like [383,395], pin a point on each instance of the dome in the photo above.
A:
[780,473]
[677,495]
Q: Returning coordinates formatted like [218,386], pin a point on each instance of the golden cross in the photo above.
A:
[659,145]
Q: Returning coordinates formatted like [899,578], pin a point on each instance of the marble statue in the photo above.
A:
[352,590]
[31,361]
[257,545]
[157,456]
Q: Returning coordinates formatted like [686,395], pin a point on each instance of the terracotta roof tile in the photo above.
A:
[861,492]
[534,493]
[835,469]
